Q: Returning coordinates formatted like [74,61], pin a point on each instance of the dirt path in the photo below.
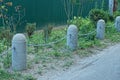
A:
[103,66]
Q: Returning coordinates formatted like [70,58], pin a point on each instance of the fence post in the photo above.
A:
[19,52]
[100,29]
[117,23]
[111,5]
[72,37]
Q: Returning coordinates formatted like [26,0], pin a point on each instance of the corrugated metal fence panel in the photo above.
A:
[49,11]
[44,11]
[87,5]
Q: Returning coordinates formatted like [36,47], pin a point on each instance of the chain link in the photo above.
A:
[51,43]
[48,44]
[80,35]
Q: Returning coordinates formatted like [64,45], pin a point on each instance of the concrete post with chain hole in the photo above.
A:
[100,29]
[111,6]
[72,37]
[19,52]
[117,23]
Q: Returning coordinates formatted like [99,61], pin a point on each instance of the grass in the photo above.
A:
[4,75]
[3,45]
[111,33]
[7,76]
[68,64]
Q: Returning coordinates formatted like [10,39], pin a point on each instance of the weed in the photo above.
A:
[37,59]
[68,64]
[3,45]
[29,65]
[29,77]
[4,75]
[55,53]
[6,60]
[111,33]
[83,53]
[30,28]
[40,70]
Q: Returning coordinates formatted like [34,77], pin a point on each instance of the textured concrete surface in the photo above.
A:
[72,37]
[19,52]
[100,29]
[104,66]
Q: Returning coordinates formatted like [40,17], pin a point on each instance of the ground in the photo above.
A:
[71,69]
[103,66]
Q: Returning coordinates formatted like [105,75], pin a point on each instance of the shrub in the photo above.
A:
[116,13]
[76,21]
[3,45]
[6,34]
[84,25]
[96,14]
[30,28]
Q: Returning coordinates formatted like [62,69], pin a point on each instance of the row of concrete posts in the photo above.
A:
[19,53]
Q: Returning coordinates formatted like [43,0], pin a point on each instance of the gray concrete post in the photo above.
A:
[19,52]
[72,37]
[117,23]
[111,5]
[100,29]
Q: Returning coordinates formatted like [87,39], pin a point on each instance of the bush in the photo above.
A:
[84,25]
[76,21]
[3,45]
[6,34]
[30,28]
[96,14]
[116,13]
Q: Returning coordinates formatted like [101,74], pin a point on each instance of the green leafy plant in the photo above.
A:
[5,33]
[84,25]
[29,77]
[55,53]
[5,75]
[5,37]
[96,14]
[30,28]
[116,13]
[111,33]
[7,61]
[68,64]
[3,45]
[5,40]
[86,44]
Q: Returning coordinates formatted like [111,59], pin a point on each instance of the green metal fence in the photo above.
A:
[44,11]
[53,11]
